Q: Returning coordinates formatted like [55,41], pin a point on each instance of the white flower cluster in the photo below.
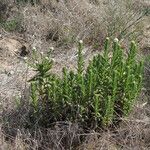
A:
[81,42]
[116,40]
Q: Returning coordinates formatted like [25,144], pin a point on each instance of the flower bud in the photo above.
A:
[116,40]
[52,48]
[34,48]
[81,42]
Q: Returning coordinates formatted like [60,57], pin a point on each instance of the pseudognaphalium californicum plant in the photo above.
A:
[98,95]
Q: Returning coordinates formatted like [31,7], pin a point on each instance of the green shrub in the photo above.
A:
[98,95]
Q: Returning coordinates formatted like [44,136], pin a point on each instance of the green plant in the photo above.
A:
[11,25]
[98,95]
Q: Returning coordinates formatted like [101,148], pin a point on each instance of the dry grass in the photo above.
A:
[133,133]
[63,23]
